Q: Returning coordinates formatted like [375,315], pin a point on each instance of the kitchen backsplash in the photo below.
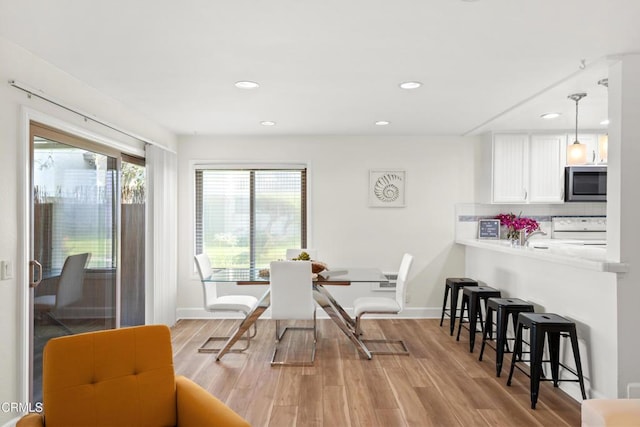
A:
[468,214]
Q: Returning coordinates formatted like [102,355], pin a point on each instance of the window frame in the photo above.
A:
[198,243]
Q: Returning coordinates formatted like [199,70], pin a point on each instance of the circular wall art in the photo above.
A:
[387,188]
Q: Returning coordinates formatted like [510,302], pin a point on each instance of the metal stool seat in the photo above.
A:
[504,308]
[552,325]
[472,298]
[453,284]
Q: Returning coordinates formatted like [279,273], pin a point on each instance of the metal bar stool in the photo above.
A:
[453,284]
[504,308]
[554,326]
[472,298]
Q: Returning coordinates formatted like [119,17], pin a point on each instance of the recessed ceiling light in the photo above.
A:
[268,123]
[550,115]
[410,85]
[605,122]
[382,123]
[246,84]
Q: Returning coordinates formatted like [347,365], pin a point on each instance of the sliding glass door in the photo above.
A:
[76,240]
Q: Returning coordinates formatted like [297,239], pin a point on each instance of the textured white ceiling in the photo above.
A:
[332,67]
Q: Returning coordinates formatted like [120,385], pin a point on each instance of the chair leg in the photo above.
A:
[517,352]
[444,305]
[573,335]
[255,331]
[279,336]
[204,349]
[553,338]
[55,320]
[501,338]
[403,352]
[358,330]
[453,310]
[464,305]
[537,346]
[487,331]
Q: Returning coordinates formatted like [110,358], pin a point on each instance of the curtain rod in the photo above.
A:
[38,94]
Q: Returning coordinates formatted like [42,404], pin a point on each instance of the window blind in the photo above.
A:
[249,217]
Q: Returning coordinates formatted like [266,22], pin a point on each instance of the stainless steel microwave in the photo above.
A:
[585,184]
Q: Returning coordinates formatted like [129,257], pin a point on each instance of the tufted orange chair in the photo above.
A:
[122,377]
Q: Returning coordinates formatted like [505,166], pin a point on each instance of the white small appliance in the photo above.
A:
[585,230]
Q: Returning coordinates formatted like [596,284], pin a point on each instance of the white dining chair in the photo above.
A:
[70,289]
[385,305]
[292,299]
[293,253]
[214,303]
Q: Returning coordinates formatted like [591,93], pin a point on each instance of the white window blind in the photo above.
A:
[249,217]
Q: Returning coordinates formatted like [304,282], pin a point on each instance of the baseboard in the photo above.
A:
[408,313]
[633,391]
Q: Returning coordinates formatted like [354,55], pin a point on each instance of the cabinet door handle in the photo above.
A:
[525,194]
[593,160]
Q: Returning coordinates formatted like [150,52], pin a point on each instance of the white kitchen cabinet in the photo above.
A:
[510,168]
[528,168]
[546,168]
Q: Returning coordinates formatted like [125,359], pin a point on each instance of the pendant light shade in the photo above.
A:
[577,152]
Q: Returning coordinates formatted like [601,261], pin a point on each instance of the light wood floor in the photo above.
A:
[440,384]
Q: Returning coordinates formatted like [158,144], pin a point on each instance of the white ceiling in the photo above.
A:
[332,67]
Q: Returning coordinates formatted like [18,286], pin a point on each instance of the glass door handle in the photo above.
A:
[33,264]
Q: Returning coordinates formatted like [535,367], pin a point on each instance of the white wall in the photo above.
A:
[18,64]
[342,227]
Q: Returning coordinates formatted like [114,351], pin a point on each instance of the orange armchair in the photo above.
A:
[122,377]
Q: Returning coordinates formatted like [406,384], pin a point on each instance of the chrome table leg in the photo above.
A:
[339,316]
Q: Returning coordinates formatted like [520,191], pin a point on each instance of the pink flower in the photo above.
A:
[516,223]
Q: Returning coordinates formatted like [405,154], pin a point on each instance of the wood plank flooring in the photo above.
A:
[440,384]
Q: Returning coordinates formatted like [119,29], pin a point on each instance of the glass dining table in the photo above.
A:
[322,296]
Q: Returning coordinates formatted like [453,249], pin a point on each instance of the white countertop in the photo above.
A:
[568,252]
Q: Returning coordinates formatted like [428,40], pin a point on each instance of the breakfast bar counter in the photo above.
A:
[572,280]
[567,252]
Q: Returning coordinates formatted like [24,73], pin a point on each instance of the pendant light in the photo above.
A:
[577,152]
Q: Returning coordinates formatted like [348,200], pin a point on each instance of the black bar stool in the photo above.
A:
[453,284]
[471,301]
[553,326]
[504,308]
